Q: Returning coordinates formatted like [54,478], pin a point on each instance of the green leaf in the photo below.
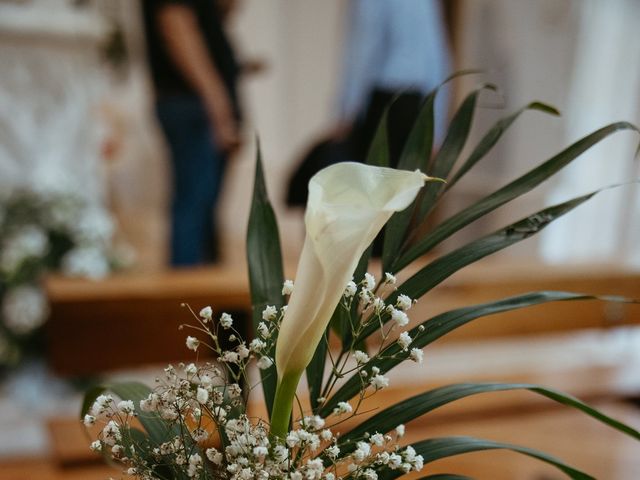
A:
[492,137]
[264,259]
[440,269]
[452,146]
[315,369]
[507,193]
[439,325]
[436,448]
[414,407]
[415,154]
[378,154]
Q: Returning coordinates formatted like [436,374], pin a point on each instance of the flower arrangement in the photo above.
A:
[43,231]
[195,422]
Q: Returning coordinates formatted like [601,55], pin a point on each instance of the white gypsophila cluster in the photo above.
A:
[24,309]
[193,399]
[25,243]
[197,403]
[86,261]
[94,226]
[374,308]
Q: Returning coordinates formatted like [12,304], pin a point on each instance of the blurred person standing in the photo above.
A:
[395,49]
[195,74]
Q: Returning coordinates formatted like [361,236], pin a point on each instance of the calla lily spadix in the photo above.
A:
[348,205]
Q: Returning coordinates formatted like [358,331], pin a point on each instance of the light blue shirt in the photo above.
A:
[392,45]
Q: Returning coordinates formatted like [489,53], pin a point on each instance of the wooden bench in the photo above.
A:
[133,318]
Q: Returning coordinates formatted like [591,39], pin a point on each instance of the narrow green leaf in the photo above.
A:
[507,193]
[415,154]
[440,325]
[417,150]
[451,148]
[264,259]
[493,135]
[440,269]
[437,448]
[315,369]
[378,153]
[414,407]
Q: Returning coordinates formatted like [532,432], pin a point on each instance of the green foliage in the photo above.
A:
[264,259]
[403,245]
[405,241]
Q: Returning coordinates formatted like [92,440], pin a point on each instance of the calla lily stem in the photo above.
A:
[283,404]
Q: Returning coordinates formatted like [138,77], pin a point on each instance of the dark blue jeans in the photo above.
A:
[198,168]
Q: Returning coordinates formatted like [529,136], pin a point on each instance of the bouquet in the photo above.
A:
[341,326]
[42,231]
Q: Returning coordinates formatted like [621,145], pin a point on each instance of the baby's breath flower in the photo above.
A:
[111,433]
[269,313]
[326,435]
[343,407]
[404,340]
[263,330]
[403,302]
[234,390]
[206,314]
[333,451]
[389,278]
[264,363]
[369,474]
[202,395]
[379,381]
[214,456]
[378,304]
[399,317]
[89,420]
[225,320]
[400,431]
[96,446]
[287,287]
[243,351]
[191,369]
[361,452]
[192,343]
[351,289]
[126,407]
[313,423]
[230,357]
[256,345]
[369,281]
[117,451]
[377,439]
[195,464]
[395,461]
[416,355]
[360,357]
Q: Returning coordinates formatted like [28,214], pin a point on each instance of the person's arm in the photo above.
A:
[185,45]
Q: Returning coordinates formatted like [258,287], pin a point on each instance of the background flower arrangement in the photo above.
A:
[194,423]
[43,231]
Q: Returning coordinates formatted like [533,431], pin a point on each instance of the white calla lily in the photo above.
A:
[348,205]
